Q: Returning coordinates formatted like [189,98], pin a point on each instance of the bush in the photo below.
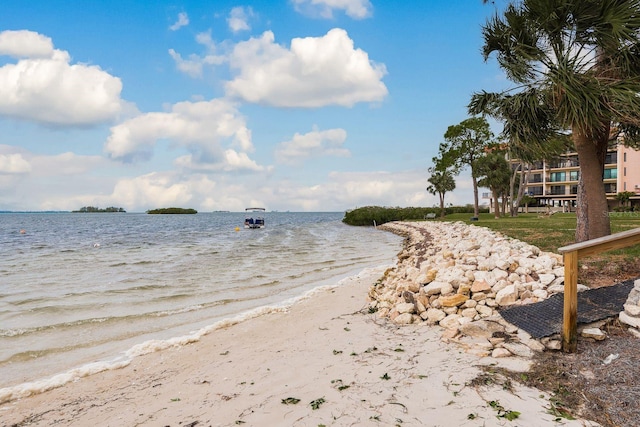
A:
[379,215]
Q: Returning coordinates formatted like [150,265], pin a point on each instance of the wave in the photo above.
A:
[151,346]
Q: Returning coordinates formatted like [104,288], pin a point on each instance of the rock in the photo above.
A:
[500,352]
[484,311]
[594,333]
[453,300]
[628,320]
[507,296]
[632,310]
[518,349]
[437,287]
[405,308]
[451,321]
[481,329]
[403,319]
[480,286]
[546,278]
[469,312]
[435,315]
[553,344]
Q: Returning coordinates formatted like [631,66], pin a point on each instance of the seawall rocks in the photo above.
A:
[454,274]
[631,313]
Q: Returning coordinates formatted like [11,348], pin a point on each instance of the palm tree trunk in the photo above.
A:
[592,213]
[496,205]
[476,210]
[441,205]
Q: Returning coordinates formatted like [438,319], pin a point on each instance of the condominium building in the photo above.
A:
[554,184]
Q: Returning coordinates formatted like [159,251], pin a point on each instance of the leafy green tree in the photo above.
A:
[464,144]
[493,172]
[441,182]
[624,197]
[576,66]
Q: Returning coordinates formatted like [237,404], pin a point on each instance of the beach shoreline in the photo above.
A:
[326,360]
[358,369]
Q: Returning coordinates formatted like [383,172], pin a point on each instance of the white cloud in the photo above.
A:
[313,144]
[315,72]
[25,44]
[194,65]
[69,164]
[238,19]
[154,189]
[191,67]
[13,164]
[45,87]
[183,20]
[357,9]
[208,130]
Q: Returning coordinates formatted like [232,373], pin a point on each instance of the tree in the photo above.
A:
[493,172]
[465,143]
[576,66]
[441,182]
[624,197]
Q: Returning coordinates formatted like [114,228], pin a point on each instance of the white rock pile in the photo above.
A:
[631,313]
[457,275]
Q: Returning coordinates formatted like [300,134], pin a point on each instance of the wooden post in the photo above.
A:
[571,254]
[570,314]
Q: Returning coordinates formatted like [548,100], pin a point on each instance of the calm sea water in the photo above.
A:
[80,290]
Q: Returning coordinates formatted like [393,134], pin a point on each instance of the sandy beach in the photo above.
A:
[326,361]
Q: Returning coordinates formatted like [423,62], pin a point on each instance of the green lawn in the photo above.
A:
[550,233]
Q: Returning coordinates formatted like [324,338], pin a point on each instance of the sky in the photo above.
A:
[290,105]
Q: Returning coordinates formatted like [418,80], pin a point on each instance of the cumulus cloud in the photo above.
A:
[44,86]
[183,20]
[154,189]
[207,129]
[238,19]
[357,9]
[25,44]
[313,144]
[13,164]
[314,72]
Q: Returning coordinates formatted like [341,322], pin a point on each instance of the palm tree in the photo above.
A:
[576,66]
[441,182]
[494,173]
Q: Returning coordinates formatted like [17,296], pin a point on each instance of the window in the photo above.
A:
[624,157]
[610,188]
[573,189]
[557,189]
[574,175]
[558,176]
[535,191]
[610,173]
[611,158]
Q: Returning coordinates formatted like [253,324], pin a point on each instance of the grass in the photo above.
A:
[547,233]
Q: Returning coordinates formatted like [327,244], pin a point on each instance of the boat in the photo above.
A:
[252,221]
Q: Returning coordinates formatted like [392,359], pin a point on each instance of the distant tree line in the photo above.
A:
[93,209]
[368,214]
[172,211]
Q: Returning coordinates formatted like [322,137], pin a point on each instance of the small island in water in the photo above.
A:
[172,211]
[93,209]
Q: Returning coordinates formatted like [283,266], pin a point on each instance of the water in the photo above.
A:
[77,289]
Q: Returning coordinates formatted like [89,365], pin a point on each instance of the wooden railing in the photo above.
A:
[571,254]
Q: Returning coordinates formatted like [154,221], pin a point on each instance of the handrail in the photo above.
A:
[571,253]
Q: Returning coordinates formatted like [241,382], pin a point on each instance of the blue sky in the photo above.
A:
[300,105]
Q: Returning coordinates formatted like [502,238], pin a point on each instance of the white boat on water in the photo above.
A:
[254,221]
